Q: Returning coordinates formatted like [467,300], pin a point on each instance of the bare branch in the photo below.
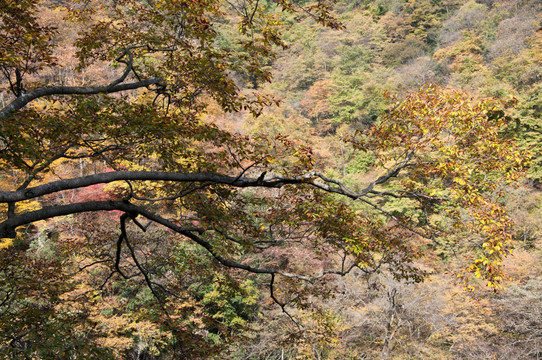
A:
[144,272]
[399,222]
[279,303]
[400,194]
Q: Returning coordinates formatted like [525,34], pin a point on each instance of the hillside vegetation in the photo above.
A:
[259,179]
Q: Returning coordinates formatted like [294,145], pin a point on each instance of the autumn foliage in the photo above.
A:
[156,203]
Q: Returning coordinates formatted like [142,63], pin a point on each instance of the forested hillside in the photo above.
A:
[270,179]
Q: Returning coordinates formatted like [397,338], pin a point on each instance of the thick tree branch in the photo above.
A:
[270,181]
[26,98]
[7,228]
[75,183]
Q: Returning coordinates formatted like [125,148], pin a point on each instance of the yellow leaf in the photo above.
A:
[460,181]
[5,243]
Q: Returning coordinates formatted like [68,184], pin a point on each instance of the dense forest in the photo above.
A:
[270,179]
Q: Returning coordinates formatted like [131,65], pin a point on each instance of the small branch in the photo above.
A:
[399,222]
[39,169]
[173,197]
[95,153]
[144,272]
[407,194]
[6,298]
[342,272]
[342,189]
[90,265]
[107,279]
[279,303]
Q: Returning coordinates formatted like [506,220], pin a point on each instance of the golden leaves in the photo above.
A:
[457,145]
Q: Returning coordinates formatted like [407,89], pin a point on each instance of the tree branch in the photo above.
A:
[270,181]
[26,98]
